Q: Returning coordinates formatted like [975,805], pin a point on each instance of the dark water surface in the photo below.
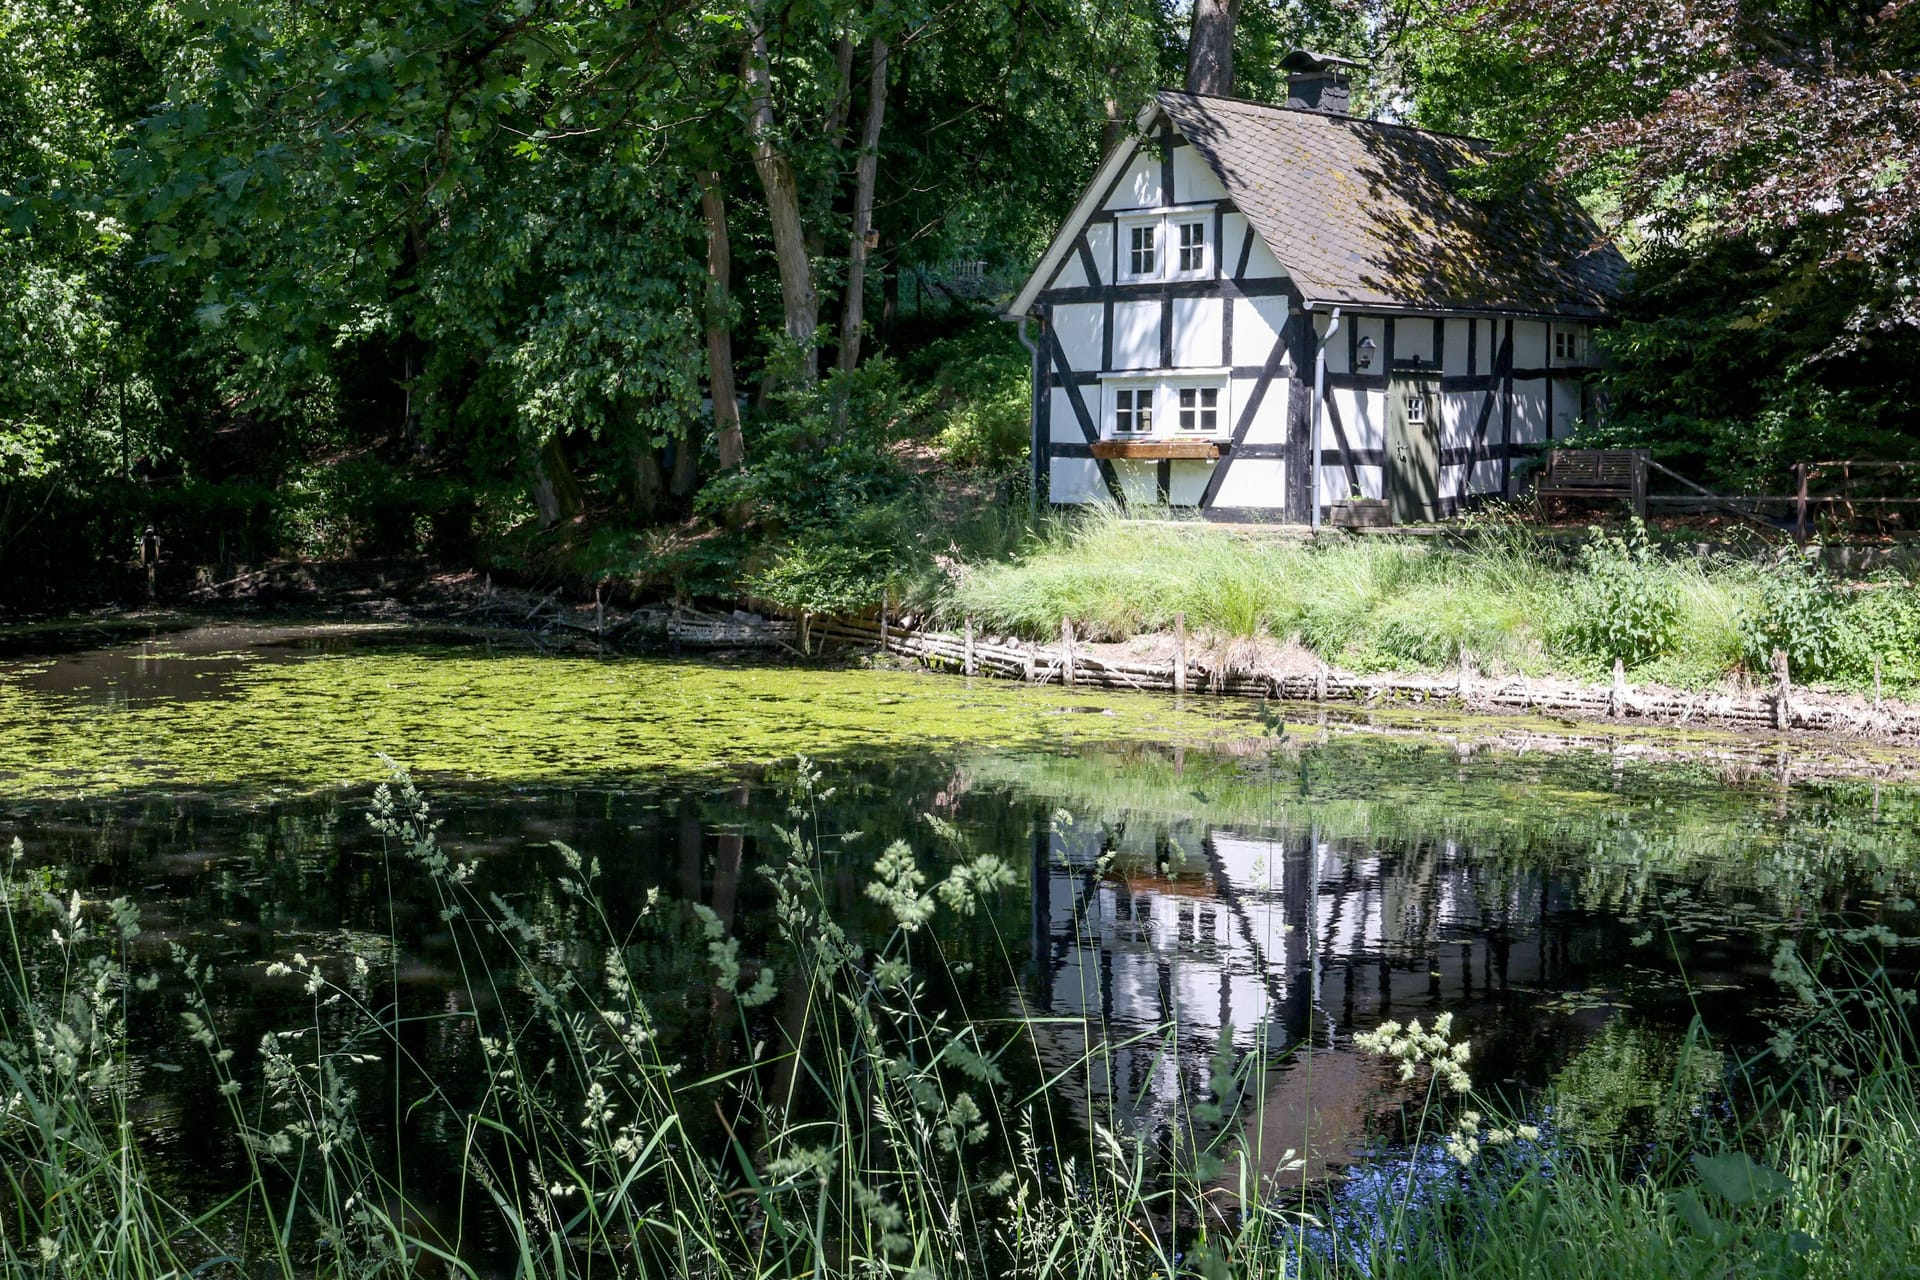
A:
[1185,890]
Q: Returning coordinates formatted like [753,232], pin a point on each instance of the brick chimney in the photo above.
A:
[1318,81]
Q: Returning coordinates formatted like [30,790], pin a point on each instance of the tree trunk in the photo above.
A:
[1210,47]
[726,406]
[889,286]
[646,484]
[851,312]
[686,463]
[1116,126]
[797,298]
[556,494]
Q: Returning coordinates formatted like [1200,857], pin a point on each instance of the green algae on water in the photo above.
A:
[465,714]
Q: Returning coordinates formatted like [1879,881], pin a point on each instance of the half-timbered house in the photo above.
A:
[1257,311]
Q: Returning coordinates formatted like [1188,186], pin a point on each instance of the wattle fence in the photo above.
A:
[1780,705]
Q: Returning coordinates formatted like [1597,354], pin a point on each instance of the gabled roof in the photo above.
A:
[1362,213]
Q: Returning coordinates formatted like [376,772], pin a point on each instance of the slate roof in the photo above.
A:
[1361,212]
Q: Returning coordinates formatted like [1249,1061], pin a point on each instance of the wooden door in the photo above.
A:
[1413,449]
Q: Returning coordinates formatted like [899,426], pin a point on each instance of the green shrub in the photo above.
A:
[1624,607]
[1880,621]
[1800,611]
[977,408]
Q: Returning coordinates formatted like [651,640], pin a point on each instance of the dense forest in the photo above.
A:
[686,294]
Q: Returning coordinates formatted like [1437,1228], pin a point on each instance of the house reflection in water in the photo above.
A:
[1154,940]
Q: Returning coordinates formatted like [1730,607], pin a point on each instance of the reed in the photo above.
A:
[866,1124]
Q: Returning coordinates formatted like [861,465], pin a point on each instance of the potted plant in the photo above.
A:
[1356,512]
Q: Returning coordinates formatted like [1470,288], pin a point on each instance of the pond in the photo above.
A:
[1201,901]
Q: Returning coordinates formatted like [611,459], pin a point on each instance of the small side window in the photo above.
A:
[1566,346]
[1193,247]
[1142,249]
[1416,409]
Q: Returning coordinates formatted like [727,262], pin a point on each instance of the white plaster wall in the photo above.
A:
[1100,241]
[1333,481]
[1486,476]
[1197,333]
[1072,274]
[1459,414]
[1566,406]
[1336,346]
[1362,415]
[1077,325]
[1269,425]
[1257,323]
[1076,480]
[1186,481]
[1412,339]
[1139,186]
[1261,264]
[1062,426]
[1136,336]
[1529,409]
[1254,482]
[1233,231]
[1193,179]
[1529,344]
[1139,481]
[1455,360]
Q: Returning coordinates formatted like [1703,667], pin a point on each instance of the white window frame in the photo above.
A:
[1165,386]
[1203,218]
[1110,423]
[1166,259]
[1575,340]
[1123,240]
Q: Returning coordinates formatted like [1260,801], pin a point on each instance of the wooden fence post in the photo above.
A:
[599,617]
[1320,684]
[883,621]
[969,667]
[1617,706]
[1783,690]
[1032,661]
[1066,651]
[1180,653]
[1800,505]
[1466,677]
[1876,682]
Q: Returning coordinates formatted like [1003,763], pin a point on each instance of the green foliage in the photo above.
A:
[1799,611]
[1626,610]
[835,570]
[820,457]
[978,399]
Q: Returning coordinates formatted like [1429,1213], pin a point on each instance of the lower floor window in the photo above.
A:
[1176,406]
[1133,411]
[1200,409]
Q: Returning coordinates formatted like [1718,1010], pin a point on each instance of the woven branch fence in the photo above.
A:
[1780,706]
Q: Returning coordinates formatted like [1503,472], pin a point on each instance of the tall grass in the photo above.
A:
[1505,596]
[865,1126]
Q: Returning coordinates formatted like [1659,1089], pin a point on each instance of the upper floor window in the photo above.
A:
[1567,347]
[1193,246]
[1142,258]
[1164,246]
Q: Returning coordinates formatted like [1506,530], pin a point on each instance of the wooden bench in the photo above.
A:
[1596,473]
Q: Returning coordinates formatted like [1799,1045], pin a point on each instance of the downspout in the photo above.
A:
[1319,412]
[1037,457]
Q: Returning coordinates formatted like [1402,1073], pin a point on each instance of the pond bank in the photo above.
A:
[1256,669]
